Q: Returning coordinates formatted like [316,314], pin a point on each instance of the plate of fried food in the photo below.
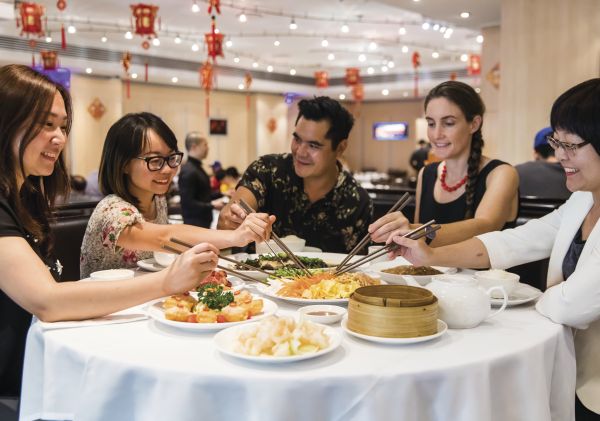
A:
[211,307]
[319,288]
[278,340]
[398,270]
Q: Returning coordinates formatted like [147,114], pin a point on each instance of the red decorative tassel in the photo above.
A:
[416,84]
[247,101]
[32,60]
[146,72]
[128,88]
[63,37]
[207,101]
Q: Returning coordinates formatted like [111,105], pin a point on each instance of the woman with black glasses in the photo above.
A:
[139,160]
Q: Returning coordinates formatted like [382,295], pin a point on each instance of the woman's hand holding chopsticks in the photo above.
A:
[191,267]
[254,227]
[381,229]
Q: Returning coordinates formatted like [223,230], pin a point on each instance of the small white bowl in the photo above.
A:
[112,275]
[322,313]
[164,259]
[292,242]
[496,277]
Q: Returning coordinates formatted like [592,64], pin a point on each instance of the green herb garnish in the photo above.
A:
[213,296]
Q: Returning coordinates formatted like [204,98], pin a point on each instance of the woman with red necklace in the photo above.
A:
[467,192]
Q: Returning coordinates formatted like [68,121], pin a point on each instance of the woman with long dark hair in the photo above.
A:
[467,192]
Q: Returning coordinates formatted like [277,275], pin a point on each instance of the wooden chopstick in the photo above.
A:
[415,234]
[399,205]
[279,242]
[226,269]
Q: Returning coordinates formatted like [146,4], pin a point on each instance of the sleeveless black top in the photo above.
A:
[445,213]
[573,255]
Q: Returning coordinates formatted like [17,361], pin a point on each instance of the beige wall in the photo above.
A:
[490,56]
[267,107]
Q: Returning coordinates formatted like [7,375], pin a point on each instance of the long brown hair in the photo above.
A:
[26,98]
[471,105]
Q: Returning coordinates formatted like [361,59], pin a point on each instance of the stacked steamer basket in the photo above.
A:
[393,311]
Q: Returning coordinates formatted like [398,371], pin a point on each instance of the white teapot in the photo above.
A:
[462,303]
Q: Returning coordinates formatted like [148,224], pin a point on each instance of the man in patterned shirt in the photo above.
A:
[308,191]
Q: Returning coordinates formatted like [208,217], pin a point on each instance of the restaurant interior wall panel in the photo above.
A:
[88,134]
[490,57]
[272,127]
[546,46]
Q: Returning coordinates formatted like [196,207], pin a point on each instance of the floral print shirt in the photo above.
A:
[335,223]
[99,250]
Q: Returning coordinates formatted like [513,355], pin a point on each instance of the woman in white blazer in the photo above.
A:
[570,236]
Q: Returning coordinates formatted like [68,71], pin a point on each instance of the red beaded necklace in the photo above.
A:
[455,187]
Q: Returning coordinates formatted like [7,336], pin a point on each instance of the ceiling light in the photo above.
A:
[385,92]
[128,35]
[48,38]
[88,70]
[448,33]
[255,64]
[104,38]
[384,69]
[242,18]
[372,45]
[436,27]
[435,54]
[156,42]
[478,90]
[362,58]
[241,86]
[370,70]
[236,59]
[228,43]
[404,49]
[177,40]
[217,31]
[330,56]
[345,29]
[71,29]
[293,25]
[195,8]
[276,43]
[174,79]
[292,72]
[269,68]
[479,39]
[391,64]
[134,75]
[416,1]
[402,31]
[195,47]
[426,26]
[443,29]
[324,43]
[342,97]
[464,57]
[465,15]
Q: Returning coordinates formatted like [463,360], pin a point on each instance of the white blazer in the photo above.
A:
[574,302]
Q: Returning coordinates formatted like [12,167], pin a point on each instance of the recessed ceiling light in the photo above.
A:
[292,72]
[217,31]
[362,58]
[242,18]
[88,70]
[195,8]
[478,90]
[436,27]
[236,59]
[370,70]
[385,92]
[134,75]
[104,38]
[465,15]
[342,97]
[324,43]
[345,29]
[391,64]
[228,43]
[443,29]
[276,43]
[48,38]
[404,49]
[426,26]
[71,29]
[241,86]
[479,39]
[177,40]
[384,69]
[255,64]
[293,25]
[156,42]
[464,57]
[372,45]
[435,54]
[128,35]
[402,31]
[195,47]
[174,79]
[330,56]
[269,68]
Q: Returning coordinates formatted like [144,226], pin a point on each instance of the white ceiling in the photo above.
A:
[377,21]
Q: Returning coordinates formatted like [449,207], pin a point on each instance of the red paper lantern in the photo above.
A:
[214,42]
[416,60]
[247,81]
[216,4]
[144,16]
[352,76]
[61,5]
[49,60]
[206,81]
[322,79]
[474,65]
[358,92]
[31,15]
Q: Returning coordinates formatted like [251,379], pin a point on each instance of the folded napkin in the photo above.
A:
[133,314]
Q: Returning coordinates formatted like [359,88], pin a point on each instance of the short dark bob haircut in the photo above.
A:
[577,111]
[125,141]
[324,108]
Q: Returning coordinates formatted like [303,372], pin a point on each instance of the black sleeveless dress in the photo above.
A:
[445,213]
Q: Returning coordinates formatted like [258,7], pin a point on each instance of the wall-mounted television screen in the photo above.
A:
[390,130]
[217,126]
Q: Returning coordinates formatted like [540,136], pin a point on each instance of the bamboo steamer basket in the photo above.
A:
[393,311]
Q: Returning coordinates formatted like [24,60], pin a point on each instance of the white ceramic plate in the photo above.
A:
[441,326]
[522,294]
[156,312]
[225,341]
[390,278]
[112,275]
[150,264]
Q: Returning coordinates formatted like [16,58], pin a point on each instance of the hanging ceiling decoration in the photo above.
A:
[144,18]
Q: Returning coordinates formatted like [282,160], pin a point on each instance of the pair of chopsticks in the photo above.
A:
[279,242]
[398,206]
[419,232]
[226,269]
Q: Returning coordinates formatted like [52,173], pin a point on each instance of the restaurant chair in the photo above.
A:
[68,235]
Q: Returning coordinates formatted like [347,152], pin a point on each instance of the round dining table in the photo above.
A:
[516,366]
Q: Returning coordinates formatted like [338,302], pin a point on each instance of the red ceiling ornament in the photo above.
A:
[206,82]
[352,76]
[144,20]
[453,76]
[247,85]
[474,65]
[321,79]
[145,44]
[61,5]
[214,41]
[358,92]
[126,62]
[416,62]
[216,4]
[49,60]
[30,21]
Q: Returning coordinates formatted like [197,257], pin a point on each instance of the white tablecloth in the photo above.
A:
[517,366]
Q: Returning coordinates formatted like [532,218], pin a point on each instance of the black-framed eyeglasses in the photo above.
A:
[156,162]
[566,146]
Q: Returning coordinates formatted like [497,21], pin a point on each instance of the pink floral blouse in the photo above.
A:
[99,250]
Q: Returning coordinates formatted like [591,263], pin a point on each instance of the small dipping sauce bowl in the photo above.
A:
[322,313]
